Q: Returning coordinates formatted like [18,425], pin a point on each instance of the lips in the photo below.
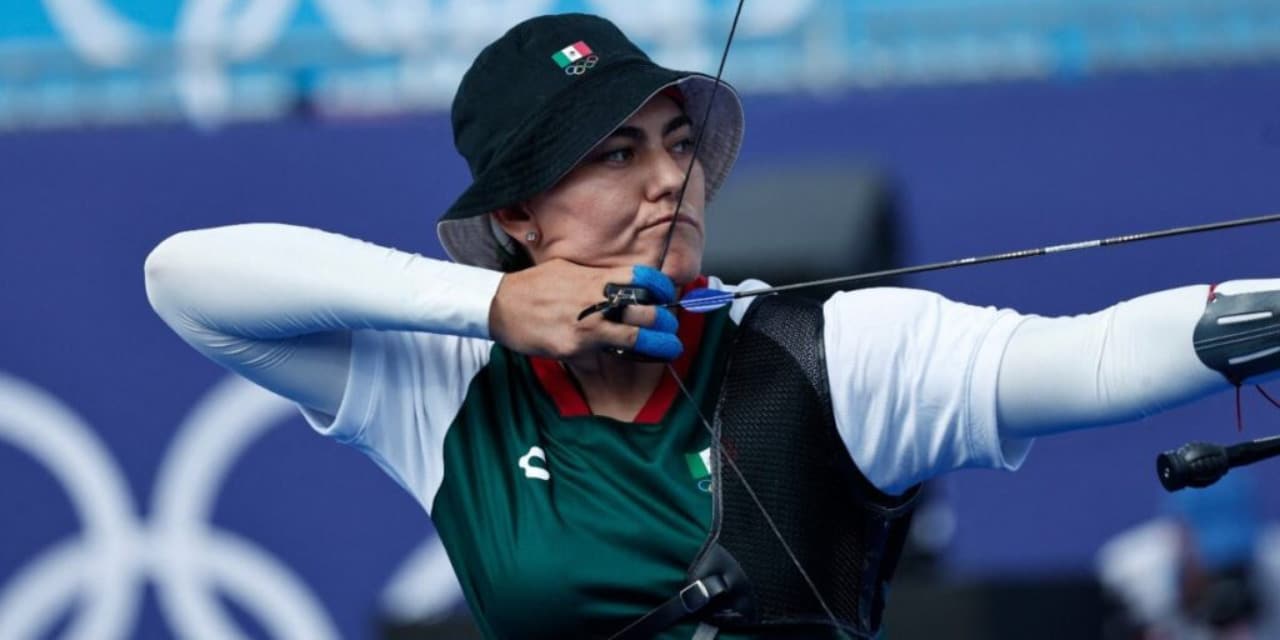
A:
[681,219]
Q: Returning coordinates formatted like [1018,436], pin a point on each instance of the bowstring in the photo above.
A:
[715,436]
[697,142]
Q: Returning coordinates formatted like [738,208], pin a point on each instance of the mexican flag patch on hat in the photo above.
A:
[569,54]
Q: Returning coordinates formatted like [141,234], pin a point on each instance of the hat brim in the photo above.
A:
[553,142]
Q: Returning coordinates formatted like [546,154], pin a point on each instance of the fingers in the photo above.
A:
[658,344]
[660,288]
[663,345]
[540,311]
[654,282]
[657,337]
[656,333]
[649,316]
[644,329]
[629,319]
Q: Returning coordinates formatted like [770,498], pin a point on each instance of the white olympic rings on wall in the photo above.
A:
[105,568]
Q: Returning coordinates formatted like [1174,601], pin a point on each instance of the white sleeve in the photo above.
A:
[403,392]
[1128,361]
[922,385]
[277,303]
[913,383]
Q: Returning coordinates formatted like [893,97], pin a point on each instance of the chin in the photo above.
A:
[682,268]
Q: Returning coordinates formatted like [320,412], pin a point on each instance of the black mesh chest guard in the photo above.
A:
[775,421]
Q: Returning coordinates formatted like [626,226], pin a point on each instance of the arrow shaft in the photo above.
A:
[1011,255]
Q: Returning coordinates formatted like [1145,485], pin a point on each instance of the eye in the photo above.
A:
[684,145]
[616,156]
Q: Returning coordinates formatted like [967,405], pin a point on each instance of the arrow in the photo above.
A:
[705,300]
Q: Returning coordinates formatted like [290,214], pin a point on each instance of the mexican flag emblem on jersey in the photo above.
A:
[700,467]
[571,53]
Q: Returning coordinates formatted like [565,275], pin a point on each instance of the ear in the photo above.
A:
[515,220]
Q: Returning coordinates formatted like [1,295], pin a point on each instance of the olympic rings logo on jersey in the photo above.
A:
[581,66]
[101,573]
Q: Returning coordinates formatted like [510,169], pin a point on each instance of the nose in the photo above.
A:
[668,175]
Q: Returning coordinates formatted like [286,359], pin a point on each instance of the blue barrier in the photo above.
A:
[116,61]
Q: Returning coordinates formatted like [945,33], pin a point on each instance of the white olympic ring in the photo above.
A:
[580,67]
[105,568]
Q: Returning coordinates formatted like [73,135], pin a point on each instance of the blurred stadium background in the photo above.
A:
[145,495]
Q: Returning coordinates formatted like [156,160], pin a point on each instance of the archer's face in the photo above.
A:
[615,207]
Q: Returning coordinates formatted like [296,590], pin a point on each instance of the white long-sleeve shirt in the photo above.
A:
[921,385]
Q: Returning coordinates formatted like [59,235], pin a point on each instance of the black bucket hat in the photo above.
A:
[539,98]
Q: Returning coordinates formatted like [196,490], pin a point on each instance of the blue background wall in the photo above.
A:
[981,169]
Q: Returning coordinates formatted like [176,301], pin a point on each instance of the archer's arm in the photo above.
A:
[1129,361]
[922,385]
[277,303]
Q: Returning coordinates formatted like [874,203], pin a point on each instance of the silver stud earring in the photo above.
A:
[531,237]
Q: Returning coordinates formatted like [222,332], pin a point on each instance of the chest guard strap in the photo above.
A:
[774,420]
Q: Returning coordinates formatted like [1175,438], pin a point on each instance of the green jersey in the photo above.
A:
[564,524]
[560,523]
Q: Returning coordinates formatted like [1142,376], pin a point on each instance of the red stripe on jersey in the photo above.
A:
[556,382]
[690,332]
[568,398]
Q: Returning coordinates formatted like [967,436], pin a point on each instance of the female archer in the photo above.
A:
[645,471]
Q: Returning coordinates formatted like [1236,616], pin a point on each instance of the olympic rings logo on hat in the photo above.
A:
[580,67]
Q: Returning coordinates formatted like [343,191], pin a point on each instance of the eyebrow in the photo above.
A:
[636,133]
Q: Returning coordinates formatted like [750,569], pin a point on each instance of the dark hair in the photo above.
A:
[513,256]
